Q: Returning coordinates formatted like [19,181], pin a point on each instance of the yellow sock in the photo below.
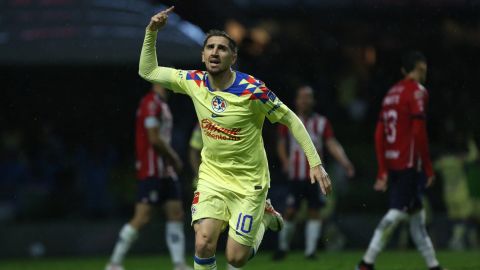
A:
[259,236]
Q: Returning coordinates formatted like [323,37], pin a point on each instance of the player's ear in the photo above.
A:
[234,58]
[203,57]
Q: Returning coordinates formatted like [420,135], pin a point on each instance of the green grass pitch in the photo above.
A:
[390,260]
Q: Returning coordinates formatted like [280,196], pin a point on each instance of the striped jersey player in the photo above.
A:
[297,169]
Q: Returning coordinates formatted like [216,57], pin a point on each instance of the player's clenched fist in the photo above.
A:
[319,175]
[159,20]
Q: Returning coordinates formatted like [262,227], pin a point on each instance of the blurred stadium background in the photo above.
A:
[69,90]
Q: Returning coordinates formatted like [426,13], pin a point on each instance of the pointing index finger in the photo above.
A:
[170,9]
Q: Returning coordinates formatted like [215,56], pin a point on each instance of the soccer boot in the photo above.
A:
[437,268]
[276,221]
[364,266]
[311,257]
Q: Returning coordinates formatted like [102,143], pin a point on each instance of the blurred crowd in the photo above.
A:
[42,177]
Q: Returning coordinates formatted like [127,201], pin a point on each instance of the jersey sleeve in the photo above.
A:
[270,105]
[418,102]
[328,131]
[170,78]
[380,150]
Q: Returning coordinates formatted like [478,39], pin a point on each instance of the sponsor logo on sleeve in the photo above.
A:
[274,108]
[271,96]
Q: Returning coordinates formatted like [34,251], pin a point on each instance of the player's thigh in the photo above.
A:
[246,216]
[209,204]
[142,214]
[174,210]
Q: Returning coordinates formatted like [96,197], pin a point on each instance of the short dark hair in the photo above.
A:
[219,33]
[410,60]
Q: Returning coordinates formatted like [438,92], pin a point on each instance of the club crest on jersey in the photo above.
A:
[219,104]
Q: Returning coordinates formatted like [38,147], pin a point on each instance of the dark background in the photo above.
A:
[69,92]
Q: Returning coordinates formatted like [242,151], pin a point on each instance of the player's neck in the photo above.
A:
[222,81]
[412,77]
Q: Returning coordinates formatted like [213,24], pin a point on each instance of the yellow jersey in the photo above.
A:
[231,121]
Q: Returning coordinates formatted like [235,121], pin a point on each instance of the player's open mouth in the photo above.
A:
[214,62]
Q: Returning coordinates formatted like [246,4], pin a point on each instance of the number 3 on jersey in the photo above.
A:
[390,120]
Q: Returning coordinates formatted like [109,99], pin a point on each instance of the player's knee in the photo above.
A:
[204,245]
[385,224]
[236,260]
[391,220]
[174,211]
[139,221]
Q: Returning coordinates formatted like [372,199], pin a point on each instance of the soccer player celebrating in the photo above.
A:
[233,176]
[401,146]
[157,180]
[294,164]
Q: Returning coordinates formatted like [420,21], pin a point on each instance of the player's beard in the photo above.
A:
[216,71]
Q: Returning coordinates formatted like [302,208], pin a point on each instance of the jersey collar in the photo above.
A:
[233,89]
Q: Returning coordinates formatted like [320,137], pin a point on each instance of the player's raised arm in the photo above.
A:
[148,67]
[317,172]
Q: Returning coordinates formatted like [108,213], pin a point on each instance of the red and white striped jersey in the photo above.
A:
[152,112]
[319,129]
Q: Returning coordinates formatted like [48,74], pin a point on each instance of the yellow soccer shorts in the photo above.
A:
[243,213]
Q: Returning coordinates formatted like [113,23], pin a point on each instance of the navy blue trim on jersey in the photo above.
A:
[235,88]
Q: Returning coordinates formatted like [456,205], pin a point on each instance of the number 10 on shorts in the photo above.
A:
[244,223]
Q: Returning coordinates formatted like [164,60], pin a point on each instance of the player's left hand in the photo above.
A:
[430,181]
[381,184]
[318,174]
[350,170]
